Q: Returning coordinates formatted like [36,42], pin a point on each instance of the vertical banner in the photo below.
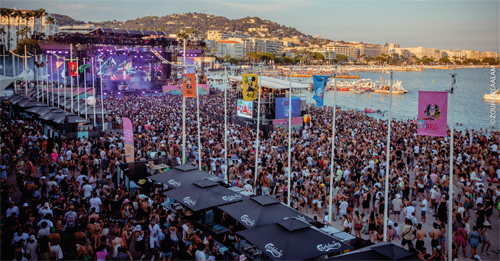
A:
[58,64]
[73,69]
[319,88]
[128,134]
[432,113]
[250,86]
[190,61]
[189,85]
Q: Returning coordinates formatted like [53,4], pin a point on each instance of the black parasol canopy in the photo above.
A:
[292,239]
[203,194]
[262,210]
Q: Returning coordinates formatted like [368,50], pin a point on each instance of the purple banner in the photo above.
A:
[128,134]
[432,113]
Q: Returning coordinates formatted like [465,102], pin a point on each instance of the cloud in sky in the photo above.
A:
[264,6]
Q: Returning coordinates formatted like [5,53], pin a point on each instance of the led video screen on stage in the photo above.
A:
[127,68]
[244,109]
[282,107]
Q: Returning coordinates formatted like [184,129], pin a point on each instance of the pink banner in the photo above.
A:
[128,134]
[432,113]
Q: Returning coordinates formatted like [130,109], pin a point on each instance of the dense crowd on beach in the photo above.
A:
[59,198]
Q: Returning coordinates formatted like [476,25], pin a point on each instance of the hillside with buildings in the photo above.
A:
[203,23]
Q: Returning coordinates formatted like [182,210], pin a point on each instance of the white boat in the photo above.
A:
[397,89]
[492,96]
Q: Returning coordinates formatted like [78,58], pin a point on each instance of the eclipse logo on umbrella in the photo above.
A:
[299,217]
[327,247]
[273,250]
[231,198]
[174,183]
[189,201]
[213,179]
[247,220]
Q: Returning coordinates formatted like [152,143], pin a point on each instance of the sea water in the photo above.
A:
[471,110]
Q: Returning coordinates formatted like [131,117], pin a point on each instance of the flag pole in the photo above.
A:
[78,85]
[25,72]
[225,123]
[36,80]
[85,85]
[330,206]
[184,113]
[71,79]
[52,81]
[14,69]
[58,86]
[387,165]
[258,128]
[289,139]
[450,192]
[93,87]
[102,96]
[198,116]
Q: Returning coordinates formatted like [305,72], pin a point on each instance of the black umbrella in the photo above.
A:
[292,239]
[203,194]
[183,175]
[262,210]
[45,110]
[35,109]
[53,115]
[380,251]
[28,104]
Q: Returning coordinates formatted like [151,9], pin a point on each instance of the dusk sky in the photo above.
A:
[467,25]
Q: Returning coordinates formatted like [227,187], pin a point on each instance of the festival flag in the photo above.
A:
[319,88]
[73,69]
[250,86]
[58,64]
[189,85]
[128,134]
[432,113]
[83,67]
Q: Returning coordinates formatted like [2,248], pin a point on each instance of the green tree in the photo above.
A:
[39,13]
[5,12]
[288,60]
[50,20]
[233,60]
[341,57]
[18,14]
[267,57]
[445,60]
[278,60]
[318,56]
[253,56]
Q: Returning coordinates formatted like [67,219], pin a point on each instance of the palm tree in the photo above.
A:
[50,20]
[27,17]
[17,14]
[5,12]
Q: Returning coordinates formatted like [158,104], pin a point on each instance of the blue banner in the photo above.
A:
[319,88]
[282,106]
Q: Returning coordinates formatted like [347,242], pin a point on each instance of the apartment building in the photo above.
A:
[231,48]
[350,51]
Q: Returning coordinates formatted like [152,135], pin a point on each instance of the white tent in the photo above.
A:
[274,83]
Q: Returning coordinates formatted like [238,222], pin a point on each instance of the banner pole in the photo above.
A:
[71,79]
[93,88]
[47,72]
[184,113]
[78,85]
[225,122]
[36,79]
[102,97]
[25,72]
[198,116]
[330,202]
[58,86]
[14,74]
[258,129]
[289,139]
[85,87]
[387,165]
[52,80]
[450,192]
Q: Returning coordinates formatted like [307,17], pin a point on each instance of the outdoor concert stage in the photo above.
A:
[120,61]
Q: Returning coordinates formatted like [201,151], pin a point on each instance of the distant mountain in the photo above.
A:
[63,20]
[201,22]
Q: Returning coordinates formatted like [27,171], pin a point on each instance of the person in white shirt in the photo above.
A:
[154,229]
[68,155]
[87,190]
[20,236]
[343,207]
[12,209]
[45,210]
[423,206]
[410,209]
[96,203]
[248,187]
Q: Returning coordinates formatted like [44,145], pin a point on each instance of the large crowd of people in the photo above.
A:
[60,200]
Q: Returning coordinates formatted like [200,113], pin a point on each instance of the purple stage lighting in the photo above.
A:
[143,92]
[105,94]
[119,93]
